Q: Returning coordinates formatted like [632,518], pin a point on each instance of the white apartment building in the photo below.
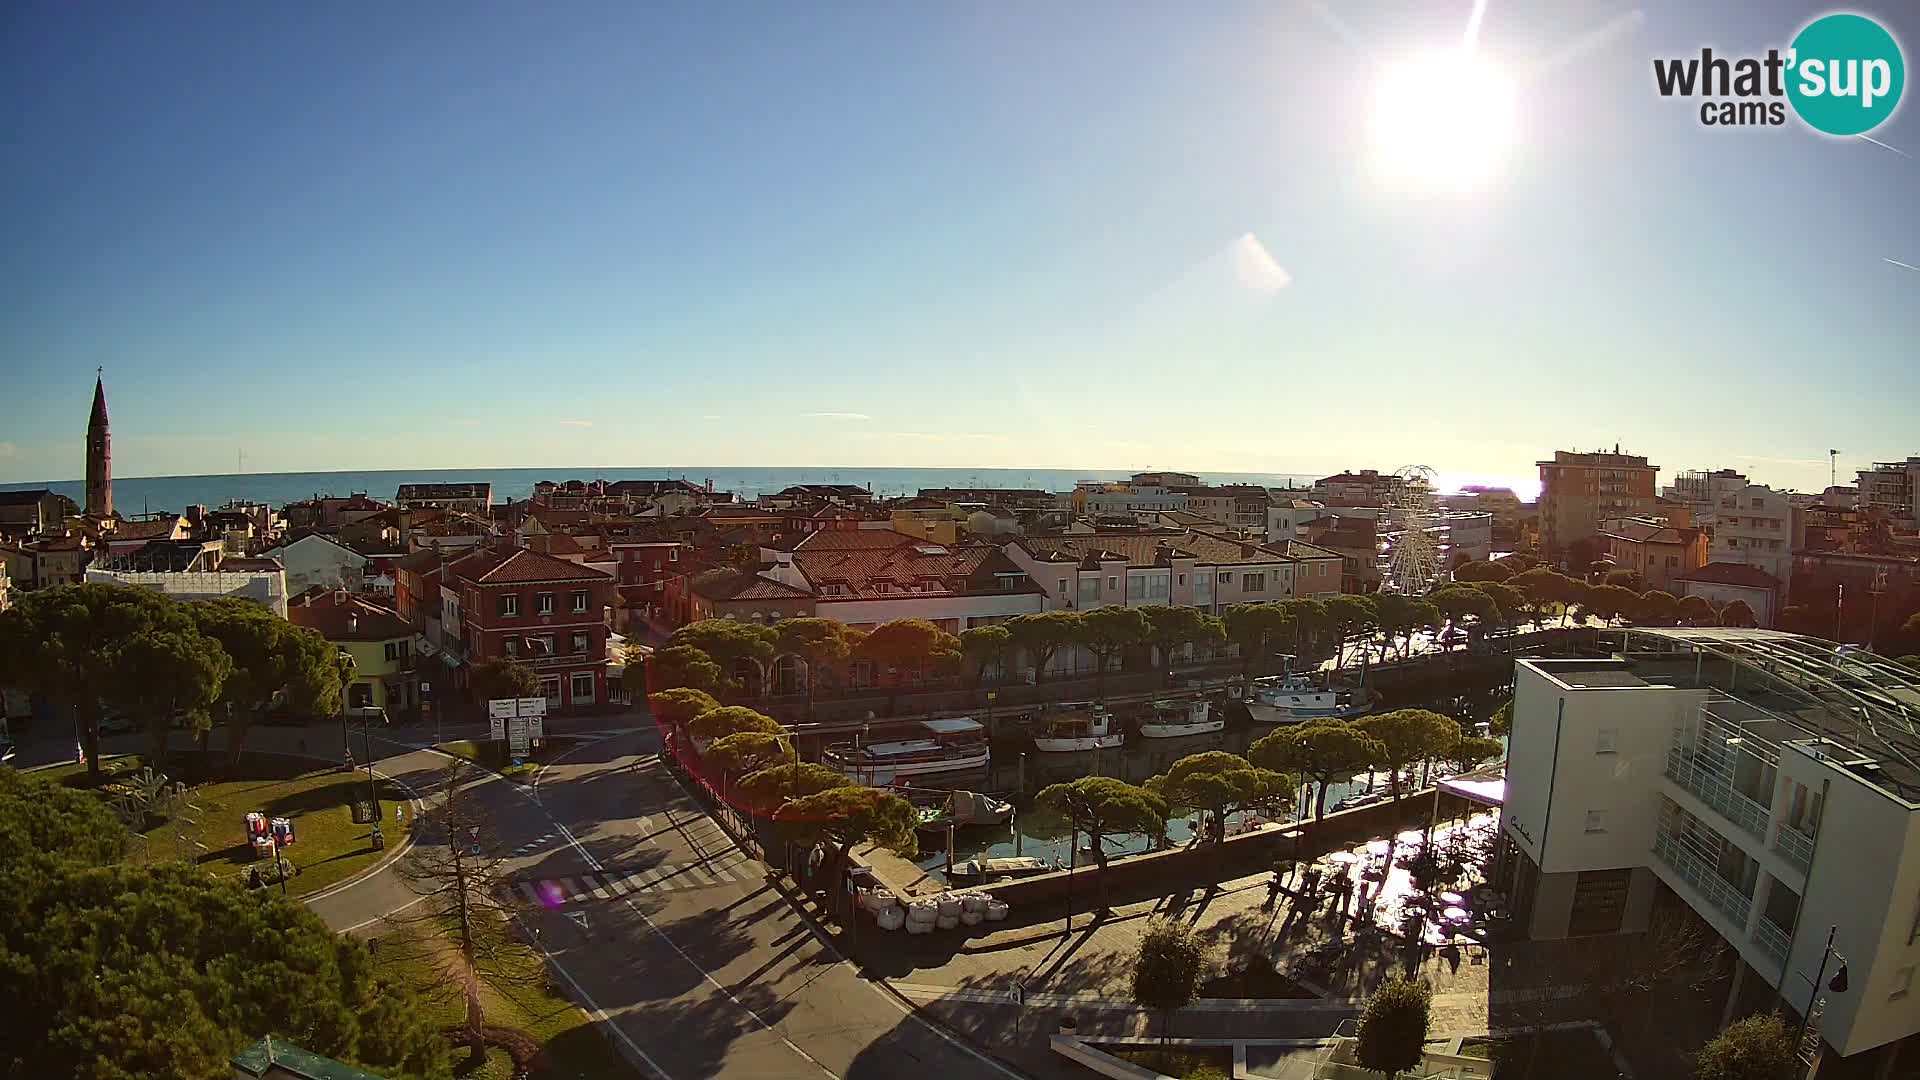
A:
[1894,487]
[1129,500]
[1753,526]
[1769,781]
[1704,491]
[1191,569]
[268,588]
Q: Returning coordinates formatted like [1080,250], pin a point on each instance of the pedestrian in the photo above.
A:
[253,878]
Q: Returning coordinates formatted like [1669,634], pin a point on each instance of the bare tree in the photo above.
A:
[461,929]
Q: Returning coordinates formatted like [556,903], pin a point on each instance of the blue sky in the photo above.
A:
[617,234]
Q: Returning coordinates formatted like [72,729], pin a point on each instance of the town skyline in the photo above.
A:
[931,243]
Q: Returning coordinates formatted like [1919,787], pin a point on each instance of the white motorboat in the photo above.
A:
[1171,719]
[1077,727]
[1290,699]
[1013,867]
[954,745]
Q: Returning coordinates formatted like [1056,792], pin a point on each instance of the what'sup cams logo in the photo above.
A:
[1842,75]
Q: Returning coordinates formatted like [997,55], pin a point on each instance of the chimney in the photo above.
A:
[1247,551]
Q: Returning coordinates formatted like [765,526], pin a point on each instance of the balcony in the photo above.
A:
[1717,791]
[1772,940]
[1695,872]
[1794,846]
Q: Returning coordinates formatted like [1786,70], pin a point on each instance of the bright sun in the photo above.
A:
[1443,121]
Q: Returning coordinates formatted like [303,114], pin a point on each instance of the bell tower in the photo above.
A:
[99,453]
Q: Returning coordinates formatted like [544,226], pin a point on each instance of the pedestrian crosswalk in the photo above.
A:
[614,884]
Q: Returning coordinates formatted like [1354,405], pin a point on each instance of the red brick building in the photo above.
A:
[543,611]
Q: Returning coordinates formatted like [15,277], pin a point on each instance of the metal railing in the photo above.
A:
[1694,871]
[1717,791]
[1794,846]
[1772,940]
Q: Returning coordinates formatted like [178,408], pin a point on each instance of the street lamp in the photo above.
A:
[1838,984]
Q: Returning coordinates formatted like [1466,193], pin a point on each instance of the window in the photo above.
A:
[1253,582]
[1183,579]
[1137,587]
[398,650]
[1226,577]
[543,603]
[582,640]
[511,646]
[580,602]
[510,604]
[550,688]
[1596,821]
[539,644]
[582,688]
[360,696]
[1062,590]
[657,567]
[1113,584]
[1603,741]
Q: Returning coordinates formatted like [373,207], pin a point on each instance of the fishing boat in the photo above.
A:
[1172,719]
[962,809]
[954,745]
[1290,699]
[984,870]
[1078,726]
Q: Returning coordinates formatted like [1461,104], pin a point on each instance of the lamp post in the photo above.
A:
[1838,985]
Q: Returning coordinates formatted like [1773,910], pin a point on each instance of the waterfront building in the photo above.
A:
[1368,487]
[472,497]
[1769,781]
[1580,490]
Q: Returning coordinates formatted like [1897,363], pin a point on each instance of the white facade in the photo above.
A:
[1754,526]
[1134,501]
[1717,762]
[315,559]
[1894,488]
[266,588]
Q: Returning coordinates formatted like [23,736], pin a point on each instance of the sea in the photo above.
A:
[137,494]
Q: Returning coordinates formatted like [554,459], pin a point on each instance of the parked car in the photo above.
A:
[116,723]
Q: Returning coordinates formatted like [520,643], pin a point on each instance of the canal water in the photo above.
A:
[1018,771]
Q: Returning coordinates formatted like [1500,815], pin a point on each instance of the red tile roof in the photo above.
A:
[521,566]
[904,566]
[1725,573]
[736,585]
[340,617]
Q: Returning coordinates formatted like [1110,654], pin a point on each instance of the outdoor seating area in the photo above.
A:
[1407,888]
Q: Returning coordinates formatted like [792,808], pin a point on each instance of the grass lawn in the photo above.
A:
[1574,1054]
[571,1042]
[328,847]
[488,755]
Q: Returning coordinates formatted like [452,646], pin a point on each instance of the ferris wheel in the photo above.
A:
[1413,556]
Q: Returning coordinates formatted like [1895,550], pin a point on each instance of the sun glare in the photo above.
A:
[1443,121]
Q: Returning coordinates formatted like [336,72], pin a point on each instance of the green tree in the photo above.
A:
[1408,737]
[1167,967]
[683,666]
[821,643]
[1694,611]
[1103,806]
[768,787]
[1256,629]
[1395,614]
[40,817]
[748,751]
[1544,590]
[1469,751]
[1507,601]
[841,817]
[1221,783]
[729,642]
[1630,580]
[1757,1048]
[1461,602]
[1107,633]
[141,971]
[910,645]
[1610,602]
[275,665]
[1169,628]
[1656,608]
[502,677]
[716,724]
[675,709]
[166,675]
[458,883]
[1501,723]
[1737,613]
[1042,635]
[60,643]
[1393,1027]
[1350,616]
[1479,571]
[1308,626]
[1323,750]
[987,647]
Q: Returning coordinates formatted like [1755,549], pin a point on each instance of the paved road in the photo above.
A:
[700,967]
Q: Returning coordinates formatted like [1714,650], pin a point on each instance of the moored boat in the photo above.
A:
[1172,719]
[1080,726]
[954,745]
[1019,866]
[1290,699]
